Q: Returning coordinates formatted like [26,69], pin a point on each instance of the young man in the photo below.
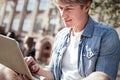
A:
[82,47]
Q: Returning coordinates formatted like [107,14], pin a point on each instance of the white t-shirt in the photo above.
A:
[70,59]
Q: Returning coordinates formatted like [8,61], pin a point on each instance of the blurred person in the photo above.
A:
[44,50]
[2,30]
[84,46]
[16,37]
[11,35]
[29,47]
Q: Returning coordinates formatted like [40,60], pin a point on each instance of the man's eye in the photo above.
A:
[60,8]
[68,9]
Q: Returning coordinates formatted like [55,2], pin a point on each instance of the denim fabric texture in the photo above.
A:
[99,50]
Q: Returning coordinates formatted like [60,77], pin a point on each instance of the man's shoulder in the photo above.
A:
[103,28]
[100,26]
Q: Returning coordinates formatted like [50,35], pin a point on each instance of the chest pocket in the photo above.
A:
[90,54]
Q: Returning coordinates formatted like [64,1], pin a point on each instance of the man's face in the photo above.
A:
[72,14]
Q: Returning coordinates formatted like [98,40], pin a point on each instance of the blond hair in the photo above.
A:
[72,1]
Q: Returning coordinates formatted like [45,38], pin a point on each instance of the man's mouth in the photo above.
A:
[68,20]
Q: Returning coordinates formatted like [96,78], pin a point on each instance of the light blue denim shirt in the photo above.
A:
[99,50]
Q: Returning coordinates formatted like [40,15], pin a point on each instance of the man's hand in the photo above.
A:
[33,65]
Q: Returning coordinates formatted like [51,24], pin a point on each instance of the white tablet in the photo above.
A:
[11,56]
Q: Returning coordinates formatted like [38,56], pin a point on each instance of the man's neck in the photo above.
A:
[81,25]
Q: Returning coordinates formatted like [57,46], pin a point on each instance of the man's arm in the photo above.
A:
[36,70]
[8,74]
[97,76]
[108,59]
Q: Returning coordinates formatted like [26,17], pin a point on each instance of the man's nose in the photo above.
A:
[63,14]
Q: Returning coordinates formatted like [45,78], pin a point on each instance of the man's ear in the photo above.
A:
[87,6]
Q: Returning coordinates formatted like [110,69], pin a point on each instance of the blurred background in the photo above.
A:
[34,23]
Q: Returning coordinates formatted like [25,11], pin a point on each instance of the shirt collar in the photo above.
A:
[89,28]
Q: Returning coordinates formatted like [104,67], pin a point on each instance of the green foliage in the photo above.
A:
[106,11]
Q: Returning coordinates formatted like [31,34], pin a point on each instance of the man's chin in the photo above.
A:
[68,26]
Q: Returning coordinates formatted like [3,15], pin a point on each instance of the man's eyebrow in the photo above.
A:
[69,6]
